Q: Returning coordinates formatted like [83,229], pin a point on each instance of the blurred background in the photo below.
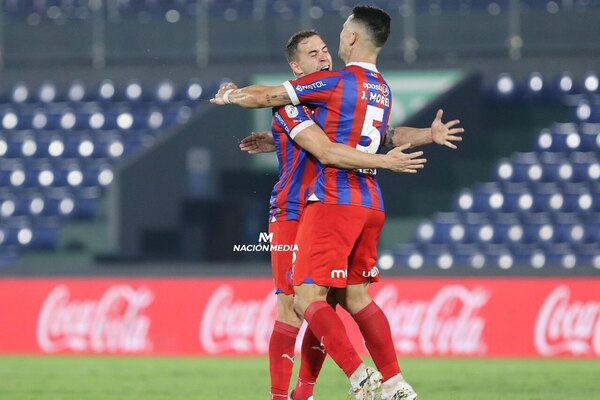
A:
[113,162]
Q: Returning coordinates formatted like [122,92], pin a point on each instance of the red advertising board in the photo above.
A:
[428,316]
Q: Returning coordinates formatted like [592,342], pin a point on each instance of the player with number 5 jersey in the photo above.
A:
[353,107]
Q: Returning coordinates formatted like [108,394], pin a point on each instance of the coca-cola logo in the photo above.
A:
[564,327]
[447,324]
[112,323]
[241,326]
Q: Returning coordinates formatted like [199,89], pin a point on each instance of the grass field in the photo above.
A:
[111,378]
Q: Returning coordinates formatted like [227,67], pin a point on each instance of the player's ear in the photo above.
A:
[353,38]
[295,68]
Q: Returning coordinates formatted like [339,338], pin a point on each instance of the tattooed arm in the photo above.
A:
[255,96]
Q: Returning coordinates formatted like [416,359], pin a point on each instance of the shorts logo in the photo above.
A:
[291,111]
[371,273]
[339,274]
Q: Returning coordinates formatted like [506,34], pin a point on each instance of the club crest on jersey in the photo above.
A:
[291,111]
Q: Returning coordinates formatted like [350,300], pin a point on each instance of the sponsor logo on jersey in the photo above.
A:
[312,86]
[377,86]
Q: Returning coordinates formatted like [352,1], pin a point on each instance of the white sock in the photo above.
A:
[358,376]
[389,387]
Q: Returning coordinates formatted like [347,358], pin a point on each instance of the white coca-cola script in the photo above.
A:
[448,324]
[110,324]
[241,326]
[567,327]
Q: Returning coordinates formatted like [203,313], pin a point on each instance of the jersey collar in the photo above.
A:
[369,66]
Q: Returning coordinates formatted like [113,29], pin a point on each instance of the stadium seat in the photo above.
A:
[590,136]
[447,228]
[408,256]
[469,256]
[485,197]
[537,228]
[561,256]
[498,256]
[77,92]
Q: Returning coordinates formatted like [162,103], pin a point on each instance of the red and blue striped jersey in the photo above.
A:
[297,168]
[353,107]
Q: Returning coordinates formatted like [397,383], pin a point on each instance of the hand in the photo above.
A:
[408,163]
[445,134]
[218,99]
[258,142]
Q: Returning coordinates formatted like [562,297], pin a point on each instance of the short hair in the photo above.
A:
[375,20]
[292,44]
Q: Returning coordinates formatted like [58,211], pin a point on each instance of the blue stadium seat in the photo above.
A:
[487,197]
[47,92]
[517,197]
[134,91]
[537,228]
[561,256]
[438,256]
[523,167]
[498,256]
[590,136]
[528,255]
[164,92]
[568,228]
[546,197]
[586,167]
[408,256]
[555,168]
[77,92]
[469,256]
[447,228]
[13,204]
[192,91]
[558,140]
[9,146]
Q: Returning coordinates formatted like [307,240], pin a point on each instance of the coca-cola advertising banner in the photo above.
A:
[428,316]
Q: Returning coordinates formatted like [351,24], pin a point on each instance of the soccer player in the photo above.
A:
[341,223]
[306,53]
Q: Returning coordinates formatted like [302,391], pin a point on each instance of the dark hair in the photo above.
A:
[375,20]
[292,44]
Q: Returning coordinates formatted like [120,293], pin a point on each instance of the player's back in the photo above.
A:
[352,106]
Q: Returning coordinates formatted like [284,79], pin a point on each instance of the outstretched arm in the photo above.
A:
[255,96]
[314,140]
[440,133]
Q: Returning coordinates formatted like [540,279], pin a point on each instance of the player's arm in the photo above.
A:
[255,96]
[258,142]
[440,133]
[312,139]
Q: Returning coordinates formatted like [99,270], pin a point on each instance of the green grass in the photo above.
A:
[111,378]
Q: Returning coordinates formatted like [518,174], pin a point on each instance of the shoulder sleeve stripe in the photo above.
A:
[300,127]
[291,92]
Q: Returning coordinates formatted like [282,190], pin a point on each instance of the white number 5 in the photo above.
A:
[370,131]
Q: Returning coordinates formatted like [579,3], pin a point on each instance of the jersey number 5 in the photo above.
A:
[370,137]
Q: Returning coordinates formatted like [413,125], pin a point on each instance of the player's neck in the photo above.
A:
[363,57]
